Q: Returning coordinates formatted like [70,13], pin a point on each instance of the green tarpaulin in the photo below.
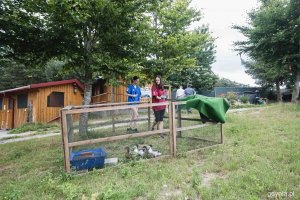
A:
[214,108]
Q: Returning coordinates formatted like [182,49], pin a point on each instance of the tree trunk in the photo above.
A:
[83,122]
[279,97]
[295,94]
[30,119]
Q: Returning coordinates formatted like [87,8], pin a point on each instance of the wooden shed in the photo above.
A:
[38,102]
[104,93]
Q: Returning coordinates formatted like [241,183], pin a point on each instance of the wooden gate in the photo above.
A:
[7,113]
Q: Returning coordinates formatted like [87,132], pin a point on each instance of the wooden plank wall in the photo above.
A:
[1,111]
[119,95]
[21,114]
[6,115]
[46,114]
[40,111]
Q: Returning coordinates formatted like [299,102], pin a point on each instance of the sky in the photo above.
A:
[220,15]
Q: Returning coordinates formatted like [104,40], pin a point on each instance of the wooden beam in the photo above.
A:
[113,121]
[179,102]
[171,142]
[106,104]
[97,109]
[65,141]
[178,121]
[189,119]
[92,125]
[118,137]
[149,118]
[222,133]
[192,127]
[174,129]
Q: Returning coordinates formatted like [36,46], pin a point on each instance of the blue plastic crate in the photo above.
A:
[88,159]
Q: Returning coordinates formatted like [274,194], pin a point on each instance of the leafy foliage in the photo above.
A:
[224,82]
[231,97]
[244,99]
[178,54]
[112,39]
[199,75]
[273,42]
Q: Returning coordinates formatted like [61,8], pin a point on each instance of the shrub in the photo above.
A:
[244,99]
[231,97]
[32,127]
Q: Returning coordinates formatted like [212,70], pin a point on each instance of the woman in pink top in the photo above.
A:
[158,96]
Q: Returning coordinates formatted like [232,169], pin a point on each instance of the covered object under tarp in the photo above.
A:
[214,108]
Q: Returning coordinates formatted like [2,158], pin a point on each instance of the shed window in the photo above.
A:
[1,100]
[10,104]
[55,99]
[22,100]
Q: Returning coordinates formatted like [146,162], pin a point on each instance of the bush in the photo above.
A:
[231,97]
[244,99]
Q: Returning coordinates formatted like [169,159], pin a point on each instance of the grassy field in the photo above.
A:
[259,160]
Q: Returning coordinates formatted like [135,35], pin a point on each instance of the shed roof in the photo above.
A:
[40,85]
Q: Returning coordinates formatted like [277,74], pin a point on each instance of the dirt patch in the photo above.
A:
[3,168]
[170,193]
[209,177]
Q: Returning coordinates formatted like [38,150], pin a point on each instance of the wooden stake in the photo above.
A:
[179,121]
[171,141]
[149,119]
[113,121]
[65,141]
[174,129]
[222,133]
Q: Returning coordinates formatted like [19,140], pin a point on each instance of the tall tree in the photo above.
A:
[273,39]
[200,74]
[93,36]
[293,46]
[171,47]
[224,82]
[14,75]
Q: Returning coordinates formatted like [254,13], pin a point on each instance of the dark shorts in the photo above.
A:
[159,115]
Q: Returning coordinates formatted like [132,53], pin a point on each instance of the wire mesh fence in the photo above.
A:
[113,128]
[192,130]
[198,138]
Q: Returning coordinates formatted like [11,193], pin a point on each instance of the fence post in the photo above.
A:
[222,133]
[174,129]
[171,133]
[65,141]
[179,120]
[149,118]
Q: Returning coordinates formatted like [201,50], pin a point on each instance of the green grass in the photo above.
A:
[260,155]
[39,127]
[245,106]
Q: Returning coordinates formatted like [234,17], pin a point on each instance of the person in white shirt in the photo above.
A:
[180,93]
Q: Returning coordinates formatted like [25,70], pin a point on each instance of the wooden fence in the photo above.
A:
[174,125]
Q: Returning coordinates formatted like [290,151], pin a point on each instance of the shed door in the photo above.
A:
[1,111]
[7,114]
